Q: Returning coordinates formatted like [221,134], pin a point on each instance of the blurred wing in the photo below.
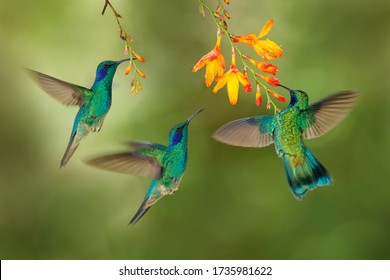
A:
[325,114]
[247,132]
[129,163]
[139,145]
[66,93]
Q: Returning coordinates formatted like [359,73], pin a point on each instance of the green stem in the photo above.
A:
[224,30]
[128,46]
[236,49]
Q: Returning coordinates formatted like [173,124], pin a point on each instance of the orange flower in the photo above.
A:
[271,80]
[258,95]
[267,49]
[142,74]
[277,96]
[268,68]
[128,69]
[265,67]
[233,78]
[215,62]
[139,58]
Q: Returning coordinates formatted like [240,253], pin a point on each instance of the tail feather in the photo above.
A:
[154,193]
[74,142]
[305,176]
[141,211]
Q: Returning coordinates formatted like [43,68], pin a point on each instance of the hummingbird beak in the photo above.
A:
[290,90]
[123,60]
[194,114]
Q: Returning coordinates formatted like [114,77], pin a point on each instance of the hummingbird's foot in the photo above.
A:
[172,191]
[98,127]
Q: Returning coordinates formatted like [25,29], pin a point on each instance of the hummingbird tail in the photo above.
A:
[74,142]
[306,175]
[141,211]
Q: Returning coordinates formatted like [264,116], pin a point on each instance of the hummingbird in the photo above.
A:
[288,129]
[165,165]
[94,103]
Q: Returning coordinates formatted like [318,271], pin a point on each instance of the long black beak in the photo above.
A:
[194,114]
[123,60]
[289,89]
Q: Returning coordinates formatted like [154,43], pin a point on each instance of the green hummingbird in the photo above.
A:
[287,129]
[94,103]
[164,164]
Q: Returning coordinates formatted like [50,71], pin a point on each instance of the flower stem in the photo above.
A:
[129,50]
[222,27]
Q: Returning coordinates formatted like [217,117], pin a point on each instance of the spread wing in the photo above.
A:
[64,92]
[325,114]
[130,163]
[247,132]
[138,145]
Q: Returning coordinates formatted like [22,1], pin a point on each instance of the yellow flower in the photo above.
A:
[215,62]
[233,78]
[267,49]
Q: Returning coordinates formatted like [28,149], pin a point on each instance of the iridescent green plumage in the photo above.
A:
[94,103]
[287,129]
[164,164]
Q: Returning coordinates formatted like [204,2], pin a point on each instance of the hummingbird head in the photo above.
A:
[298,97]
[179,132]
[106,69]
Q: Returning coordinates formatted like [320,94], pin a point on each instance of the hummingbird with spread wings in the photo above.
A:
[287,130]
[165,165]
[94,103]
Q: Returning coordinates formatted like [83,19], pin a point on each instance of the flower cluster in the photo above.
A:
[215,63]
[136,86]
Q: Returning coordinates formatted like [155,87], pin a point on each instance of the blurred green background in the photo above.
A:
[233,203]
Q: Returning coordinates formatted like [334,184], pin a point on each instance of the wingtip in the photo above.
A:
[31,73]
[219,137]
[220,133]
[215,135]
[28,70]
[349,94]
[98,162]
[355,95]
[91,161]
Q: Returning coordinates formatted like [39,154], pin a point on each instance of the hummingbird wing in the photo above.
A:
[64,92]
[145,163]
[139,145]
[247,132]
[325,114]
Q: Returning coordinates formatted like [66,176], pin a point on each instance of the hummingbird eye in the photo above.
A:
[106,66]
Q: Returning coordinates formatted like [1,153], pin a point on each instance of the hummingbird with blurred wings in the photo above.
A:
[94,103]
[165,165]
[287,129]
